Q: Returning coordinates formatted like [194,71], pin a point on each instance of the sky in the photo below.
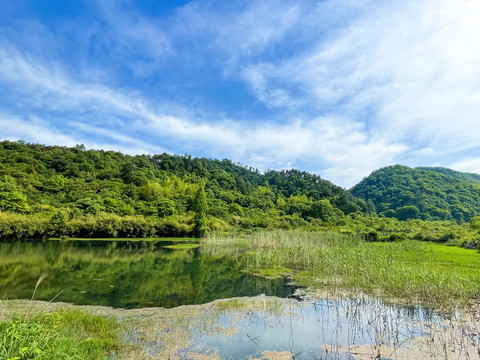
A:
[338,88]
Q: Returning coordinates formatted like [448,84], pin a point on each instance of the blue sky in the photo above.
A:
[338,88]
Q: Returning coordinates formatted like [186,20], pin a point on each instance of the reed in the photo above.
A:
[413,271]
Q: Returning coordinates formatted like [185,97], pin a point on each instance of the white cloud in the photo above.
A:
[471,165]
[140,42]
[240,29]
[129,144]
[410,67]
[370,83]
[264,144]
[34,130]
[271,97]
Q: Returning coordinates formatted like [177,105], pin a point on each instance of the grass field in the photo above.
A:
[455,259]
[413,271]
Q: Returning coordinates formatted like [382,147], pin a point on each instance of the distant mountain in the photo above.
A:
[429,193]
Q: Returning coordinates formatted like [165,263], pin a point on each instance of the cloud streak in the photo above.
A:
[265,145]
[337,87]
[410,69]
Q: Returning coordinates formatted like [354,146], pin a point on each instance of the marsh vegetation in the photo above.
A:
[410,271]
[364,299]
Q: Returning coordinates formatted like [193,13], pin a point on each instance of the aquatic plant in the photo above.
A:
[416,272]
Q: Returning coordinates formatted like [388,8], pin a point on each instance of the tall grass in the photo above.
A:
[63,334]
[66,334]
[407,270]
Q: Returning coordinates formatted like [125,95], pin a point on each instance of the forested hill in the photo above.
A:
[46,181]
[425,193]
[468,177]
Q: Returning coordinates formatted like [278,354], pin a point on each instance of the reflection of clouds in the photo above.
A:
[245,327]
[361,327]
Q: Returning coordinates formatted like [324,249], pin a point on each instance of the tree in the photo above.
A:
[200,208]
[407,212]
[10,197]
[475,222]
[324,210]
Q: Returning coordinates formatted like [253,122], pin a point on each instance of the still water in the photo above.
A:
[302,329]
[156,281]
[126,274]
[266,328]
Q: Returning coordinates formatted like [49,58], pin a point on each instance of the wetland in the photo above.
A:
[270,295]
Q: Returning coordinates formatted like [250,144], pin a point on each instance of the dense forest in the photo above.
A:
[54,191]
[422,193]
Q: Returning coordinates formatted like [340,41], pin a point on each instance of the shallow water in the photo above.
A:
[303,327]
[155,281]
[126,274]
[269,327]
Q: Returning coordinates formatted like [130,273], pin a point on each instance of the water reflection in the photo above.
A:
[126,274]
[321,329]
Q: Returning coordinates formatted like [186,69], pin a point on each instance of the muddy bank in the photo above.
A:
[273,328]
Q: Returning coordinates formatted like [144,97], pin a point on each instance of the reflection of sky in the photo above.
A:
[306,326]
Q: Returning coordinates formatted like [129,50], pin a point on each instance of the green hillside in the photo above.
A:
[423,193]
[73,190]
[468,177]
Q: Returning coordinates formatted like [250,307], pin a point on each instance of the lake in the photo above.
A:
[127,274]
[230,314]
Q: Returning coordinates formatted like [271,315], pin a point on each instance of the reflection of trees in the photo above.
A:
[125,274]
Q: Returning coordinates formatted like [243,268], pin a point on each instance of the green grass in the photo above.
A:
[230,304]
[271,273]
[64,334]
[414,271]
[182,246]
[455,259]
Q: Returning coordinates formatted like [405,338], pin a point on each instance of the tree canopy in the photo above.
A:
[67,184]
[422,193]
